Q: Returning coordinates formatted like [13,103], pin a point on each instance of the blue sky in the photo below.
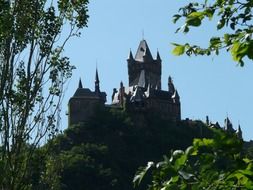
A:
[213,86]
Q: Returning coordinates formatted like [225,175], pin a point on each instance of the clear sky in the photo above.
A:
[213,86]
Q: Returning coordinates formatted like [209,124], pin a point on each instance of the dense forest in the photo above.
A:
[106,151]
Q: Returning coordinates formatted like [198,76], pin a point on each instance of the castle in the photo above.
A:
[142,94]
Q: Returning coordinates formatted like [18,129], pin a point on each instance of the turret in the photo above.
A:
[121,93]
[228,126]
[239,132]
[207,120]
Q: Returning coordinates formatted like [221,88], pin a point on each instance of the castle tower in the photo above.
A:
[144,63]
[84,102]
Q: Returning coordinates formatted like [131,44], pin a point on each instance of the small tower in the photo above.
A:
[239,132]
[228,126]
[121,94]
[207,120]
[97,88]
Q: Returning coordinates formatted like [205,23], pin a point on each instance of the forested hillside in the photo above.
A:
[105,152]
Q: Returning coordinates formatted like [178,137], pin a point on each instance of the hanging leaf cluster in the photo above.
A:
[233,15]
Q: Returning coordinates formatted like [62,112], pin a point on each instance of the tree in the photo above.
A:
[32,74]
[233,15]
[215,163]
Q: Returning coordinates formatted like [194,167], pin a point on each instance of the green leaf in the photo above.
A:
[141,173]
[196,14]
[195,21]
[179,50]
[175,18]
[209,13]
[246,160]
[180,161]
[221,24]
[239,50]
[227,39]
[185,175]
[189,150]
[215,42]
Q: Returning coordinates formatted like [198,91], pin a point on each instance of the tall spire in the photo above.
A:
[80,85]
[97,88]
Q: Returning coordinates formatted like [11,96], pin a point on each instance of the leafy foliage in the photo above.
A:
[216,163]
[234,15]
[33,71]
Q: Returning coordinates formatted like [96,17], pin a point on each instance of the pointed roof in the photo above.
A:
[97,88]
[130,55]
[96,76]
[239,130]
[170,80]
[158,56]
[80,85]
[143,51]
